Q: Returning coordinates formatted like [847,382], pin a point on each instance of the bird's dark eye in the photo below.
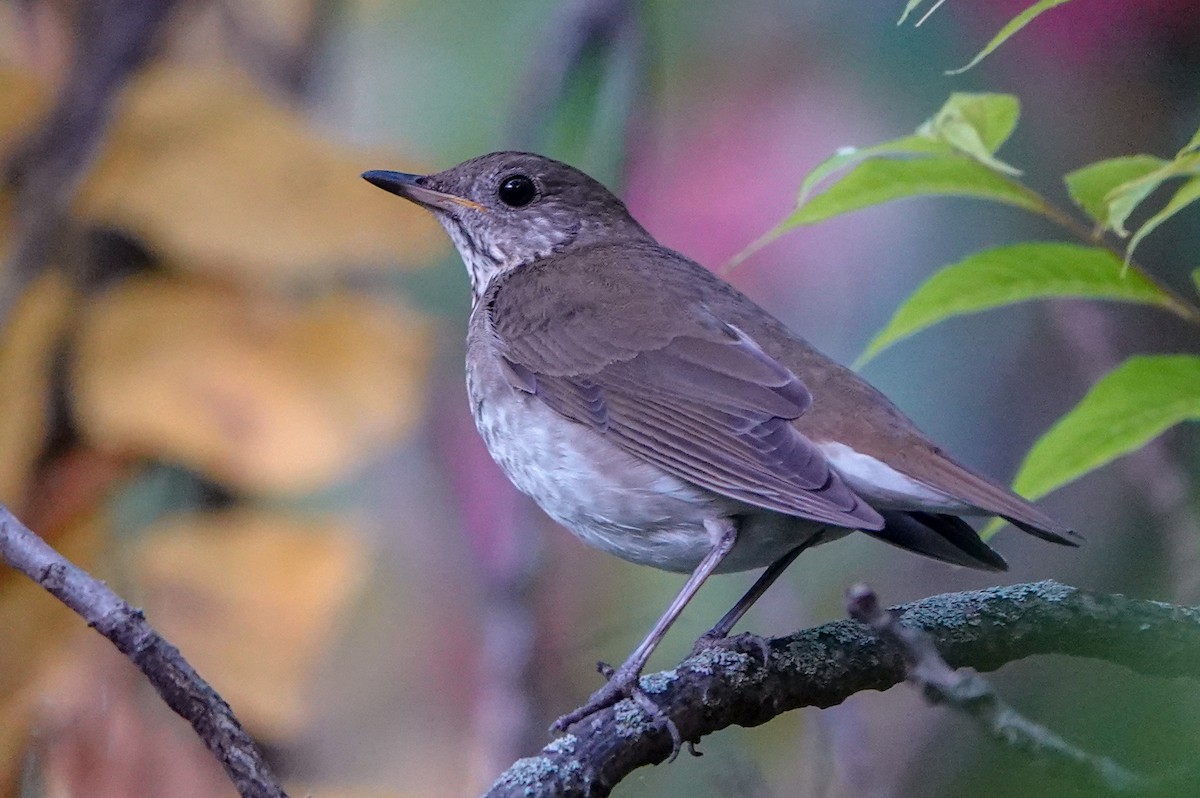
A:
[517,191]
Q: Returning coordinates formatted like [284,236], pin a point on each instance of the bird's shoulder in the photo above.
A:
[625,297]
[589,306]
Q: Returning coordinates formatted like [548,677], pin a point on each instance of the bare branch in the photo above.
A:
[174,679]
[972,695]
[823,666]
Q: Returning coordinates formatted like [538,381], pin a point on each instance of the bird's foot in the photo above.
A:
[623,682]
[746,641]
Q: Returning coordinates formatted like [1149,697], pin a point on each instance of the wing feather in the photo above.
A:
[681,389]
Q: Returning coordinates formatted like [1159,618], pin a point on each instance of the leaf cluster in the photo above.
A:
[955,153]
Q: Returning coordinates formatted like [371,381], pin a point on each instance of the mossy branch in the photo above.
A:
[824,666]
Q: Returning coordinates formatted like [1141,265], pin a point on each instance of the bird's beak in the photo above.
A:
[407,186]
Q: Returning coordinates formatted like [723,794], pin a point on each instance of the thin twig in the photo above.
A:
[174,679]
[972,695]
[824,666]
[1177,304]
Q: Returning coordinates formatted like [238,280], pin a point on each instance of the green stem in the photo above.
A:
[751,249]
[1176,304]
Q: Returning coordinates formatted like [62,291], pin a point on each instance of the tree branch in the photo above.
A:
[825,665]
[969,693]
[174,679]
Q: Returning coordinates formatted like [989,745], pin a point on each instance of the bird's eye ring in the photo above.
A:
[517,191]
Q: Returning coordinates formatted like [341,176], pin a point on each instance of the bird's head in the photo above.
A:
[507,209]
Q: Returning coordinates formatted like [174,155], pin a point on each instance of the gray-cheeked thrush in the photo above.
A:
[662,416]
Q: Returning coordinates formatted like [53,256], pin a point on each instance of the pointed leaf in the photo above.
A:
[842,159]
[1090,185]
[1188,193]
[1193,143]
[876,181]
[1016,273]
[936,5]
[911,5]
[847,156]
[1196,280]
[966,139]
[990,117]
[1123,199]
[1014,25]
[1131,405]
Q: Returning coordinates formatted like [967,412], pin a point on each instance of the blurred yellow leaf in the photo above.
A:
[261,392]
[251,599]
[213,175]
[23,100]
[33,627]
[37,324]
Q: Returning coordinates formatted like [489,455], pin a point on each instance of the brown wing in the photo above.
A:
[935,467]
[669,383]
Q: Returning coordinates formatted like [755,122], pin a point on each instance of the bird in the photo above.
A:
[661,415]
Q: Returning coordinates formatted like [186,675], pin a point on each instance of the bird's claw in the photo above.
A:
[622,683]
[741,642]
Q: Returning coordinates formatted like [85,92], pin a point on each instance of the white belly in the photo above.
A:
[609,498]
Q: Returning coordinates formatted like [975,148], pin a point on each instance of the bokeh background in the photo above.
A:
[231,373]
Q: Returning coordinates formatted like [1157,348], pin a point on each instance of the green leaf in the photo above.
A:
[1188,193]
[1123,199]
[1014,25]
[846,156]
[1090,185]
[1131,405]
[875,181]
[1193,143]
[1196,280]
[929,162]
[909,7]
[966,140]
[1016,273]
[976,124]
